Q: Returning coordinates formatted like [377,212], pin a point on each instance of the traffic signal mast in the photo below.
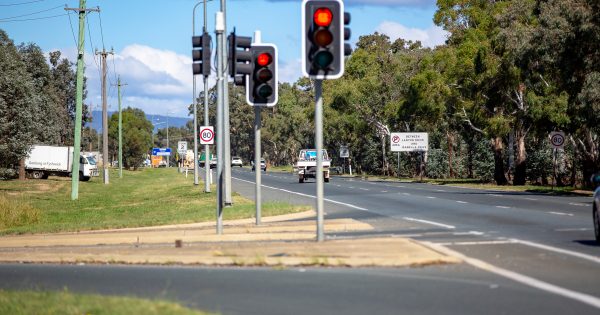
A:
[201,54]
[323,35]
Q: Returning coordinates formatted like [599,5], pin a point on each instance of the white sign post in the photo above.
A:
[182,147]
[557,139]
[207,135]
[409,141]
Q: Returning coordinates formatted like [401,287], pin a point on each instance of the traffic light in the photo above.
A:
[201,54]
[239,60]
[262,87]
[323,35]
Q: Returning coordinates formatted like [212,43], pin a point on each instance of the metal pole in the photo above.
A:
[104,120]
[207,172]
[398,164]
[168,156]
[219,30]
[78,104]
[120,131]
[226,137]
[257,169]
[319,147]
[195,106]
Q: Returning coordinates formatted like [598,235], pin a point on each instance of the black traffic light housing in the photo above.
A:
[323,35]
[262,86]
[201,54]
[239,60]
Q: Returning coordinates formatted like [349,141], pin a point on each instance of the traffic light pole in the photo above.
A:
[195,101]
[220,29]
[319,147]
[207,172]
[226,139]
[257,151]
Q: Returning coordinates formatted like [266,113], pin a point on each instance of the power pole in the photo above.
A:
[120,129]
[79,98]
[104,117]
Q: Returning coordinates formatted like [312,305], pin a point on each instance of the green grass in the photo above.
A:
[141,198]
[33,302]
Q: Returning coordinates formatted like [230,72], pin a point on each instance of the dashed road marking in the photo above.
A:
[460,201]
[364,189]
[577,204]
[532,199]
[384,191]
[431,197]
[503,207]
[430,222]
[572,229]
[561,213]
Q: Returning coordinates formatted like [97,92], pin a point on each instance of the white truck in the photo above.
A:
[307,165]
[44,161]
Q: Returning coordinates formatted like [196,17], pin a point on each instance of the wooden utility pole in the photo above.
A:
[119,85]
[79,99]
[104,116]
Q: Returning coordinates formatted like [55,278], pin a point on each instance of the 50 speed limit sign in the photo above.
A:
[207,135]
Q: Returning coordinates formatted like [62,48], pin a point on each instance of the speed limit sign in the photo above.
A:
[207,135]
[557,139]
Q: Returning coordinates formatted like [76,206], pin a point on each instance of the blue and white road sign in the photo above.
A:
[161,151]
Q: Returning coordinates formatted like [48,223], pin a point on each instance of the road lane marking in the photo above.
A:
[532,282]
[591,258]
[364,189]
[430,222]
[406,194]
[305,195]
[560,213]
[494,195]
[573,230]
[440,190]
[431,197]
[503,207]
[459,201]
[577,204]
[384,191]
[477,243]
[532,199]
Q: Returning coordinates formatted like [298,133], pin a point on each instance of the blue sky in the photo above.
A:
[152,38]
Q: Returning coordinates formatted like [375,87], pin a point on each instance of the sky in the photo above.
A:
[151,39]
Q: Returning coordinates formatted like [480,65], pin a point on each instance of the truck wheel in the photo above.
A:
[83,178]
[300,179]
[37,174]
[326,180]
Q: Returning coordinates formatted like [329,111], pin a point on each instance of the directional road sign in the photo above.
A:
[182,147]
[161,151]
[207,135]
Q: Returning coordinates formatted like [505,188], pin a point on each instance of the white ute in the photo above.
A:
[307,165]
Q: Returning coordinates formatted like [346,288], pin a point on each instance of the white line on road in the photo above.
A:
[532,199]
[573,230]
[431,197]
[591,258]
[384,191]
[476,243]
[577,204]
[494,195]
[503,207]
[364,189]
[305,195]
[440,190]
[430,222]
[459,201]
[560,213]
[406,194]
[545,286]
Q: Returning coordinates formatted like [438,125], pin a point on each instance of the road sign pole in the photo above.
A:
[257,168]
[398,164]
[319,147]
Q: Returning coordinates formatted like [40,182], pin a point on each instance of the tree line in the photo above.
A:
[509,73]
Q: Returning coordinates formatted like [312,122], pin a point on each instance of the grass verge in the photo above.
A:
[141,198]
[33,302]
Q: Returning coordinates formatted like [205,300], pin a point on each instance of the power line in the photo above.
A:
[21,3]
[28,14]
[72,31]
[101,29]
[34,19]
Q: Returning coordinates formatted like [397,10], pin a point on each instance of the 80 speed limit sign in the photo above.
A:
[557,139]
[207,135]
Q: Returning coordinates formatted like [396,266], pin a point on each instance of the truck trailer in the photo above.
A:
[44,161]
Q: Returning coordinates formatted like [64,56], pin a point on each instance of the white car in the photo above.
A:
[237,161]
[596,206]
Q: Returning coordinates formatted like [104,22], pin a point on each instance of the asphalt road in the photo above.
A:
[524,254]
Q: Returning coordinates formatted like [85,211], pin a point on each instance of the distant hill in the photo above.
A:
[173,121]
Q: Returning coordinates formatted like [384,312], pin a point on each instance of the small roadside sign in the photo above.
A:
[207,135]
[409,141]
[344,152]
[161,151]
[182,147]
[557,139]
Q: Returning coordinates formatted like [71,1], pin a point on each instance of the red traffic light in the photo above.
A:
[323,17]
[264,59]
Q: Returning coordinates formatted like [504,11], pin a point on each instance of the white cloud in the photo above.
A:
[290,72]
[430,37]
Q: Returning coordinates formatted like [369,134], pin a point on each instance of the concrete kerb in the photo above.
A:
[280,242]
